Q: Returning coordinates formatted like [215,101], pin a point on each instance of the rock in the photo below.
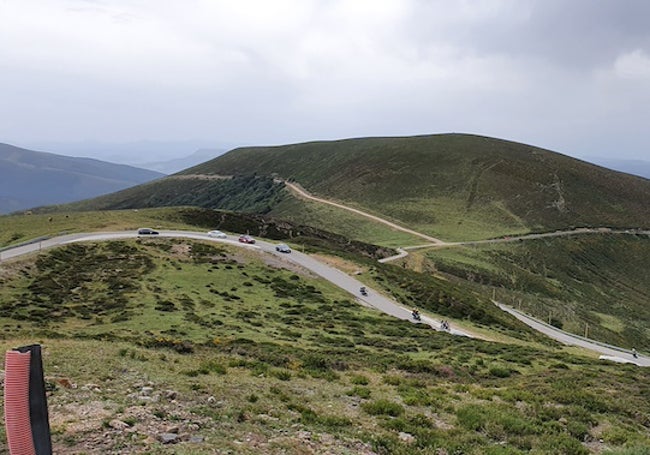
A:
[65,383]
[195,439]
[146,391]
[118,424]
[406,437]
[168,438]
[170,394]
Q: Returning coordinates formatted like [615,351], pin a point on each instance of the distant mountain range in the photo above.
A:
[167,157]
[29,178]
[178,164]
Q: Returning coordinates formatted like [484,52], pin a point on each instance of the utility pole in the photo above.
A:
[586,329]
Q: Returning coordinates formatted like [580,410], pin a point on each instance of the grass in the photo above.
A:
[18,228]
[597,281]
[250,349]
[343,222]
[457,186]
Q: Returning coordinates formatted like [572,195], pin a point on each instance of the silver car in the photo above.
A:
[282,248]
[217,234]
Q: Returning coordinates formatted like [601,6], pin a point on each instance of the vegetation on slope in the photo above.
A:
[599,283]
[245,193]
[237,352]
[456,186]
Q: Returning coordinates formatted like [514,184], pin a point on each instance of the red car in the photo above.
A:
[246,239]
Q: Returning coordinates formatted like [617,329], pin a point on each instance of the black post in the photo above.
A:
[38,401]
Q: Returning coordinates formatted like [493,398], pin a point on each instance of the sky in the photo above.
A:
[572,76]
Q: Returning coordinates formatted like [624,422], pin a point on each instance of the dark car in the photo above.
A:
[246,239]
[147,231]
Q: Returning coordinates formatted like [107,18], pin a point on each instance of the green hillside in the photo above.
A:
[232,351]
[454,186]
[598,283]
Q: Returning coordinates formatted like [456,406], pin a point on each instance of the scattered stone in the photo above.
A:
[65,383]
[146,391]
[118,424]
[174,430]
[168,438]
[406,437]
[170,394]
[196,439]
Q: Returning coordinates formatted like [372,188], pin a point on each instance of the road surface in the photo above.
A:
[608,352]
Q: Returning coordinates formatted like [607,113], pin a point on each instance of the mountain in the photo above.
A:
[454,186]
[178,164]
[29,178]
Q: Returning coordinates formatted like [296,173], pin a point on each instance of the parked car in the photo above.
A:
[217,234]
[246,239]
[282,248]
[147,231]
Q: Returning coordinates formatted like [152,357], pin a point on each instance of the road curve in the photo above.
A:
[608,352]
[344,281]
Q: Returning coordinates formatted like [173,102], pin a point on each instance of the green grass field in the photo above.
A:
[19,228]
[599,283]
[343,222]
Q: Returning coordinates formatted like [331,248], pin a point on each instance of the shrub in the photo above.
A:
[383,407]
[361,392]
[499,372]
[359,380]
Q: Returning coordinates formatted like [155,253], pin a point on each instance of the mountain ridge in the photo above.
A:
[31,178]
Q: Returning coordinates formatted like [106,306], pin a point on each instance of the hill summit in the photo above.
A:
[449,185]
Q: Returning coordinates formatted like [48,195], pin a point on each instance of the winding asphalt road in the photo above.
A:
[344,281]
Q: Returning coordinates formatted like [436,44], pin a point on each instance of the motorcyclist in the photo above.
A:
[416,314]
[635,354]
[363,290]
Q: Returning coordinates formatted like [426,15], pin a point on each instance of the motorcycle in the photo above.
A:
[416,315]
[363,291]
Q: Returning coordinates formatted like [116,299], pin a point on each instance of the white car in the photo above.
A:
[217,234]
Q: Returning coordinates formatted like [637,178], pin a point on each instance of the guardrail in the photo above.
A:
[573,335]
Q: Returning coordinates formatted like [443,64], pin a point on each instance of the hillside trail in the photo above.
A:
[435,242]
[304,194]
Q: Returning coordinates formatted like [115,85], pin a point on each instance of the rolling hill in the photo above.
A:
[208,345]
[29,178]
[453,186]
[457,187]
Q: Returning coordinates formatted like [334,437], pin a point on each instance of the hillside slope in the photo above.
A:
[452,184]
[208,346]
[29,178]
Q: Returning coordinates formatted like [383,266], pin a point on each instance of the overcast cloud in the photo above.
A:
[569,75]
